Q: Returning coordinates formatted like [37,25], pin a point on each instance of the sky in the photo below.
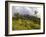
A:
[26,10]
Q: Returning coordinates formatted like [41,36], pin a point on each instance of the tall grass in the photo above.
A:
[24,22]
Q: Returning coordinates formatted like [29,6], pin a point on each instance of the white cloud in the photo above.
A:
[26,10]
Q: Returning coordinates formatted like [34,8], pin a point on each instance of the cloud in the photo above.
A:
[25,10]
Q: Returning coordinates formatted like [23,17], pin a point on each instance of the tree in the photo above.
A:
[17,16]
[36,12]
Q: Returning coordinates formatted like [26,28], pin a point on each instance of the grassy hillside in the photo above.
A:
[25,22]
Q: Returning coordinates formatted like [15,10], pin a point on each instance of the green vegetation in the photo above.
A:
[25,22]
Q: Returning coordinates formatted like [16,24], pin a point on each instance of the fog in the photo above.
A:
[26,10]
